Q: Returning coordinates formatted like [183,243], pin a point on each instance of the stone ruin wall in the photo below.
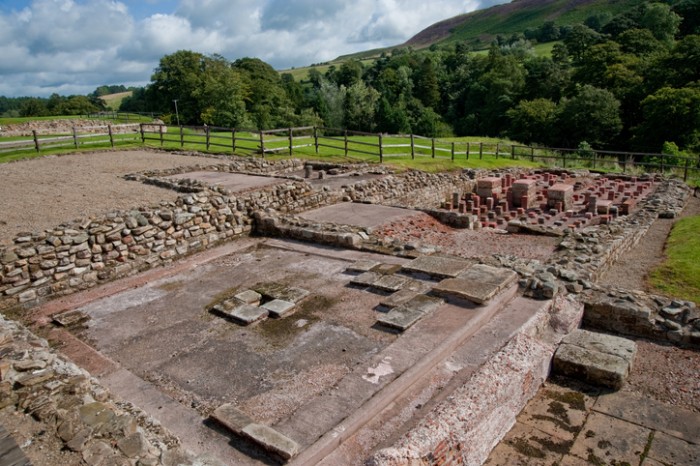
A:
[79,255]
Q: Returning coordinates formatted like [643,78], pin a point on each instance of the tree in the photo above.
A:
[640,42]
[670,115]
[360,107]
[579,40]
[689,10]
[533,121]
[221,95]
[175,78]
[592,115]
[660,20]
[33,107]
[427,89]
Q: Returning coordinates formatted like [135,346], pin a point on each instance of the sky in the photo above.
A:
[73,46]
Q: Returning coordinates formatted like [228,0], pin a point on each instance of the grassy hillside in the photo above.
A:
[480,27]
[113,101]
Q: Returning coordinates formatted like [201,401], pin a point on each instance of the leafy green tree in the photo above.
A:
[598,20]
[360,107]
[545,78]
[591,115]
[266,102]
[221,95]
[176,78]
[579,40]
[533,121]
[33,107]
[640,42]
[689,10]
[660,20]
[427,89]
[670,114]
[331,101]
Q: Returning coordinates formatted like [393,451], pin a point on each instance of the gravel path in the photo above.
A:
[631,270]
[43,192]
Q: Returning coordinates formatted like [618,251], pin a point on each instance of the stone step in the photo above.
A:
[242,425]
[595,358]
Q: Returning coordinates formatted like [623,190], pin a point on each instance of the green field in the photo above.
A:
[679,275]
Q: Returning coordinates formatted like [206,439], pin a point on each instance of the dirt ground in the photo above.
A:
[44,192]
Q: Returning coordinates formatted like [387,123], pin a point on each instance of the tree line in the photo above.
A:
[630,81]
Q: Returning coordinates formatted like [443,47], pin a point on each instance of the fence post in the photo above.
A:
[381,149]
[685,171]
[346,142]
[36,140]
[111,138]
[595,156]
[481,150]
[512,151]
[468,147]
[233,140]
[262,143]
[663,157]
[432,147]
[453,151]
[182,137]
[143,135]
[75,137]
[413,147]
[206,132]
[532,153]
[498,148]
[160,130]
[316,138]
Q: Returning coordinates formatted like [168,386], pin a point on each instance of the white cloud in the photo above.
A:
[73,46]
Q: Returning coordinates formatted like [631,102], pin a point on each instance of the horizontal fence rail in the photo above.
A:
[336,141]
[96,135]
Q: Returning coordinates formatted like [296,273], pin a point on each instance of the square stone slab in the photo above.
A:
[246,314]
[423,303]
[365,279]
[386,269]
[283,292]
[401,317]
[249,297]
[279,308]
[398,298]
[436,266]
[70,318]
[595,358]
[479,283]
[361,266]
[391,283]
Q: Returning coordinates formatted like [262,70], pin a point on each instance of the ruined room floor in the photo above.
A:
[153,341]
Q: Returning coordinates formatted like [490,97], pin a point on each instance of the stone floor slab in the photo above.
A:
[401,318]
[231,417]
[362,266]
[527,447]
[398,298]
[249,297]
[478,284]
[280,291]
[246,314]
[437,266]
[605,440]
[423,303]
[593,367]
[557,411]
[650,413]
[271,440]
[603,343]
[279,308]
[671,450]
[391,283]
[365,279]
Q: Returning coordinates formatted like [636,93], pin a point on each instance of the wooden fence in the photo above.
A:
[96,135]
[346,142]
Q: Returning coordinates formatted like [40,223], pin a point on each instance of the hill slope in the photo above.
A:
[483,25]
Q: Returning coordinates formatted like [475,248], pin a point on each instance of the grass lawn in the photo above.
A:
[679,275]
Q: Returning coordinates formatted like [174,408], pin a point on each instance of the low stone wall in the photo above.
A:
[78,412]
[639,314]
[78,256]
